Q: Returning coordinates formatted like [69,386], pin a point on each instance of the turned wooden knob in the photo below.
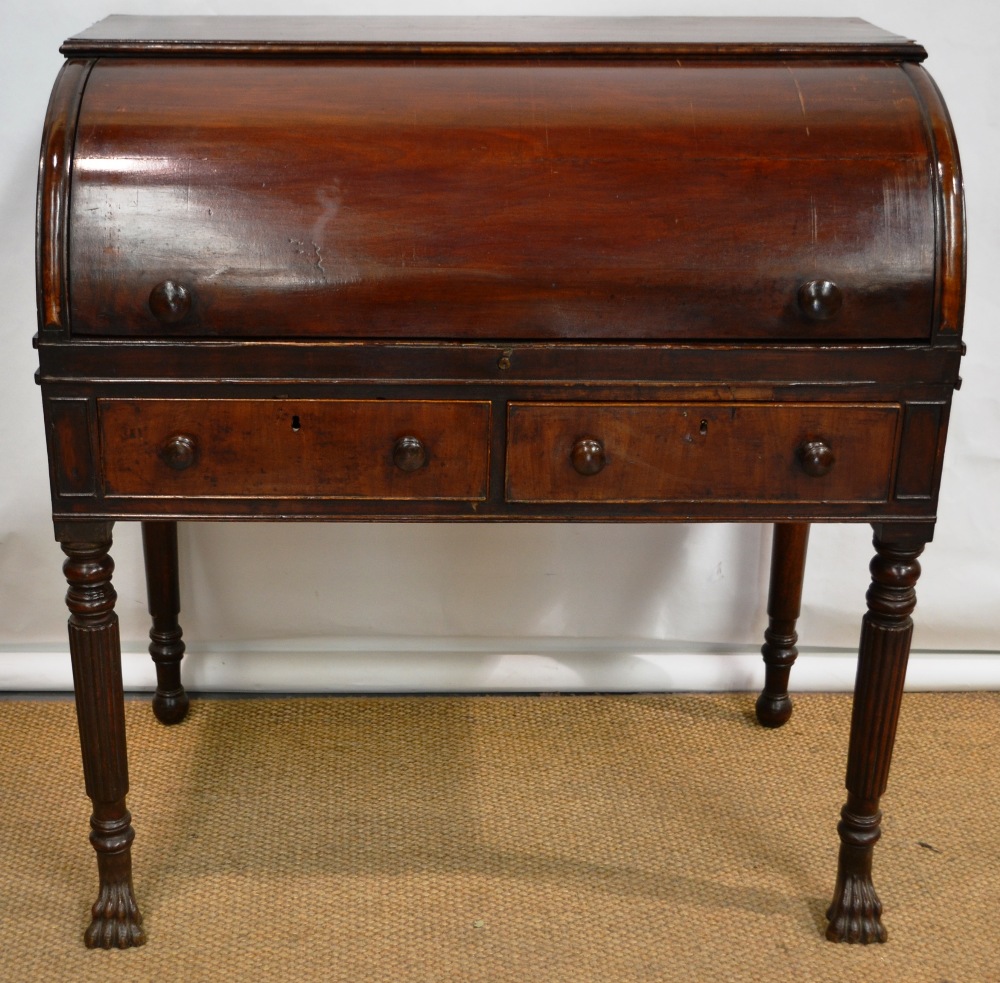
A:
[816,458]
[179,452]
[820,299]
[409,454]
[588,456]
[170,301]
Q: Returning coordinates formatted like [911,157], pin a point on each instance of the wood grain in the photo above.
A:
[496,269]
[694,452]
[324,449]
[479,200]
[737,37]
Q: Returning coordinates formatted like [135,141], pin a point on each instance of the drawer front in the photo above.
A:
[277,448]
[501,200]
[662,452]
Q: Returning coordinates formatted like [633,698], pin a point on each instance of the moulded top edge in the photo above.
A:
[726,37]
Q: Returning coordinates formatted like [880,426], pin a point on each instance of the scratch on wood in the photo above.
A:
[802,100]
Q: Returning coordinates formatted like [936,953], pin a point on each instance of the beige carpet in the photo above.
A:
[494,839]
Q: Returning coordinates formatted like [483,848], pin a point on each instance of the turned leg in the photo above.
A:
[856,912]
[95,651]
[784,598]
[159,544]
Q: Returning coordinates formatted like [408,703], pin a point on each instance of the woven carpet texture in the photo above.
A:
[526,839]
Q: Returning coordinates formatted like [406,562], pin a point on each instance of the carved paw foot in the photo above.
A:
[856,912]
[170,707]
[117,923]
[773,711]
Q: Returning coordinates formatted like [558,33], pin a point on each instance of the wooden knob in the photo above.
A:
[820,299]
[816,458]
[170,301]
[588,456]
[179,452]
[409,454]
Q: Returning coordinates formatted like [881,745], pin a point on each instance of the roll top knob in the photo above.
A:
[820,299]
[170,302]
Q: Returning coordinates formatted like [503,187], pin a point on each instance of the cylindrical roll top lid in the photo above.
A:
[655,182]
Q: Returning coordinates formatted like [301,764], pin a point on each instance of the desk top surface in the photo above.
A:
[727,37]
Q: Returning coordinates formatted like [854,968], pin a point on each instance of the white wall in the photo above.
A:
[369,607]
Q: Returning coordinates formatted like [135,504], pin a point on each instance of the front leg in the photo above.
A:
[95,651]
[856,912]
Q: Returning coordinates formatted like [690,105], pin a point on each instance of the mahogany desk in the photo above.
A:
[524,269]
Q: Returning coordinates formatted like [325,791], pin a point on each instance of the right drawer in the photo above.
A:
[661,452]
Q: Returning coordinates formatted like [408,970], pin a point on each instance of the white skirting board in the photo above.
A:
[396,665]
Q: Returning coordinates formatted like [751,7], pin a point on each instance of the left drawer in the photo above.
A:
[295,448]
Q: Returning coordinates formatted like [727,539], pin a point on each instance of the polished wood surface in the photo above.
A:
[274,448]
[54,171]
[683,452]
[496,269]
[471,200]
[742,37]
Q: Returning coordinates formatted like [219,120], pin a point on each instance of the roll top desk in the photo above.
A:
[496,269]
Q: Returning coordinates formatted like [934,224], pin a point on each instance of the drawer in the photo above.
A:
[501,200]
[661,452]
[290,448]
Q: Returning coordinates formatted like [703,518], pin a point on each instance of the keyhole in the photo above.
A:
[296,426]
[703,428]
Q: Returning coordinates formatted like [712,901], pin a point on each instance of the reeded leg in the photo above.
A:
[784,599]
[856,912]
[95,651]
[159,544]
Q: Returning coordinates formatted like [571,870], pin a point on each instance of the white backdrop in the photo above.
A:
[530,607]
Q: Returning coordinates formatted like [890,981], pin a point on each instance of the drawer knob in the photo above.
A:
[409,454]
[588,456]
[816,458]
[820,299]
[179,452]
[170,302]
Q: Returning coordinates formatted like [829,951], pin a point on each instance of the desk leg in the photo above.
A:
[784,599]
[159,545]
[95,651]
[856,912]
